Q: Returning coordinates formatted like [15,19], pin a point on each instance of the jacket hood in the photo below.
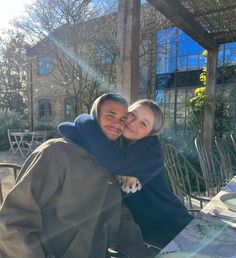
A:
[95,110]
[71,130]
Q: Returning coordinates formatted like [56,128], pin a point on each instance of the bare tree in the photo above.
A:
[70,32]
[13,95]
[43,17]
[82,44]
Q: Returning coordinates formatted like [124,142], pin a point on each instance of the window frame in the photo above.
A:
[45,107]
[44,65]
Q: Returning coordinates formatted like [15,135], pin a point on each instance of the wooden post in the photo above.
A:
[209,114]
[128,48]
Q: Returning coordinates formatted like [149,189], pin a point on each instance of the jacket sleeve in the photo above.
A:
[143,157]
[20,215]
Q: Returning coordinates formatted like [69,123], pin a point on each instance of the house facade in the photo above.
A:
[180,62]
[77,64]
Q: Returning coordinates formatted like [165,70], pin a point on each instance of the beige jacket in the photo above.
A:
[64,203]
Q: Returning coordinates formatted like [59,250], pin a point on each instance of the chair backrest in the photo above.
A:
[210,166]
[186,183]
[9,131]
[225,158]
[5,169]
[233,141]
[12,140]
[38,137]
[1,194]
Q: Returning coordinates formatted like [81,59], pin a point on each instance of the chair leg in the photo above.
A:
[1,196]
[114,254]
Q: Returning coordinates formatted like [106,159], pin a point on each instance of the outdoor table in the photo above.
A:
[22,140]
[208,235]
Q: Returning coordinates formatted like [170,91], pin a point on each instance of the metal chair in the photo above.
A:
[211,167]
[1,195]
[186,183]
[12,140]
[232,137]
[10,167]
[38,137]
[228,170]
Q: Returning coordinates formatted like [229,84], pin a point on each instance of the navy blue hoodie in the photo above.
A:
[157,211]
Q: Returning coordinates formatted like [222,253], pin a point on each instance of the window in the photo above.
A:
[193,62]
[227,54]
[69,109]
[159,96]
[176,51]
[180,61]
[45,109]
[44,65]
[165,80]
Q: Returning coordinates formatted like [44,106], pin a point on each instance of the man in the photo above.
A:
[64,203]
[129,238]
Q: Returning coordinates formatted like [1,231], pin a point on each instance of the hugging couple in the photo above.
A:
[101,186]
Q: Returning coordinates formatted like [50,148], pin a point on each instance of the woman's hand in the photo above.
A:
[128,180]
[129,184]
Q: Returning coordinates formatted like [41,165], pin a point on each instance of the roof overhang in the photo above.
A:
[208,22]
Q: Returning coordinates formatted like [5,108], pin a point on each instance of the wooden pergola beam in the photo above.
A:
[209,113]
[177,14]
[128,48]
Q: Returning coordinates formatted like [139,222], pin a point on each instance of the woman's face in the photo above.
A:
[139,123]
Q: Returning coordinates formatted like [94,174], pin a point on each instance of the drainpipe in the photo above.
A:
[31,96]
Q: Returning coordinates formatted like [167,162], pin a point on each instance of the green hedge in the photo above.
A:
[8,120]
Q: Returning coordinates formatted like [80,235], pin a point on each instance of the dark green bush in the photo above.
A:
[9,120]
[200,101]
[51,130]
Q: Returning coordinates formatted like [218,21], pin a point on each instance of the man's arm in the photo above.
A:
[20,215]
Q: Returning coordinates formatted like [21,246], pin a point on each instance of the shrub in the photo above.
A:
[200,101]
[51,130]
[8,120]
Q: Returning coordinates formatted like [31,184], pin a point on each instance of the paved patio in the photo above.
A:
[6,175]
[6,156]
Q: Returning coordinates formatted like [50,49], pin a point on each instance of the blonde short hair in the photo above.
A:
[158,114]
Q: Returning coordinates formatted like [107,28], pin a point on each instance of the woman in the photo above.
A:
[155,208]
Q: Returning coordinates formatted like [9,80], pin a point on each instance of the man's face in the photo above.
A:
[113,116]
